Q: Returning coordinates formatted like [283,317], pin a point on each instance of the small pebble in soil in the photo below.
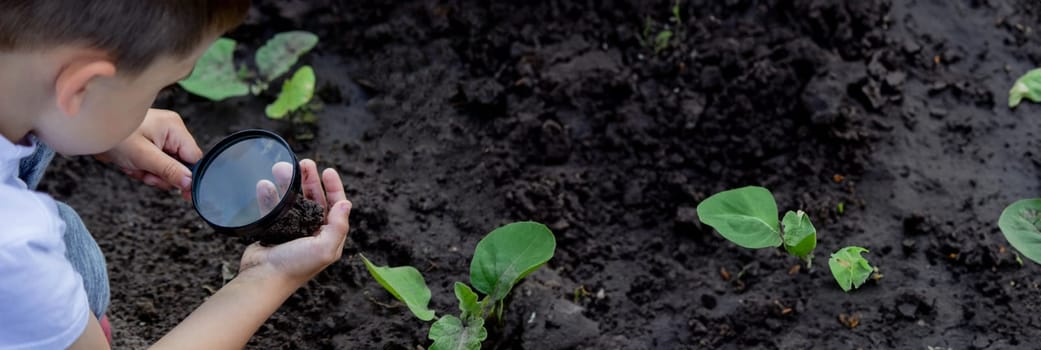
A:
[302,219]
[907,309]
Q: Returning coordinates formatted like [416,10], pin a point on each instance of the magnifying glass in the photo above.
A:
[249,184]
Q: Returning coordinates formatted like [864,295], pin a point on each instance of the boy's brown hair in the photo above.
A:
[133,32]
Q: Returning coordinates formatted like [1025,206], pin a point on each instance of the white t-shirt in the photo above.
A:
[42,301]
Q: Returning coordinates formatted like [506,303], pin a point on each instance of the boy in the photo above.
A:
[78,77]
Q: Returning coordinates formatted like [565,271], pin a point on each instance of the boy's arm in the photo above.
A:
[230,317]
[225,321]
[267,277]
[92,337]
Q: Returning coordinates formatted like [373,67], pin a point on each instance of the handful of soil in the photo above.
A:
[302,219]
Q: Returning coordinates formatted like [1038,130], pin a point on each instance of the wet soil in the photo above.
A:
[449,118]
[301,219]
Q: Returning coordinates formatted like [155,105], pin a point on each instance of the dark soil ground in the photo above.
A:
[449,118]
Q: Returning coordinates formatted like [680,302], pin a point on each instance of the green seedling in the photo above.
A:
[747,216]
[1021,225]
[281,52]
[676,12]
[296,93]
[216,77]
[849,268]
[663,39]
[500,261]
[1028,86]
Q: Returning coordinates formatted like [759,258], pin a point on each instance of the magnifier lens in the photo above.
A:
[244,182]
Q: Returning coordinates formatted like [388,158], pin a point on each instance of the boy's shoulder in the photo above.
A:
[45,304]
[27,216]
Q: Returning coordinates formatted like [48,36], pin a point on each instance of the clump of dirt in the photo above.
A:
[302,219]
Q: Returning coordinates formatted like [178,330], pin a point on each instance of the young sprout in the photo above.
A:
[676,13]
[1028,86]
[664,38]
[282,51]
[296,93]
[661,42]
[500,261]
[800,237]
[747,216]
[216,78]
[849,268]
[1021,225]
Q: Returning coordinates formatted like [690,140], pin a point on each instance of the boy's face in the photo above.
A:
[113,107]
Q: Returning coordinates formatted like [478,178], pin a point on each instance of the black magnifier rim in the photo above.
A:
[272,216]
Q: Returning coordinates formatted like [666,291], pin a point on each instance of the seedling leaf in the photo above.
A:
[1028,86]
[661,41]
[214,76]
[508,254]
[448,333]
[282,51]
[849,268]
[467,301]
[1021,225]
[800,237]
[406,284]
[746,216]
[296,92]
[645,35]
[676,12]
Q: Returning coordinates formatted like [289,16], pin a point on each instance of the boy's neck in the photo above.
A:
[23,93]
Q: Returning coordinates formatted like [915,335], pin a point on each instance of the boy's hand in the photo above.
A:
[296,261]
[152,152]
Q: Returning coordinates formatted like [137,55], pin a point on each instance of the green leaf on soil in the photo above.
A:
[746,216]
[449,333]
[849,268]
[661,42]
[282,51]
[296,92]
[676,12]
[467,301]
[1028,86]
[1021,225]
[508,254]
[800,237]
[406,284]
[214,76]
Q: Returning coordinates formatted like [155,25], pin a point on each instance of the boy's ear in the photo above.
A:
[71,85]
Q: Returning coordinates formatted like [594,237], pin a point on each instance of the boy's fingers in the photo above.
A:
[311,183]
[165,167]
[184,146]
[134,174]
[267,196]
[155,181]
[334,233]
[283,173]
[173,137]
[333,187]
